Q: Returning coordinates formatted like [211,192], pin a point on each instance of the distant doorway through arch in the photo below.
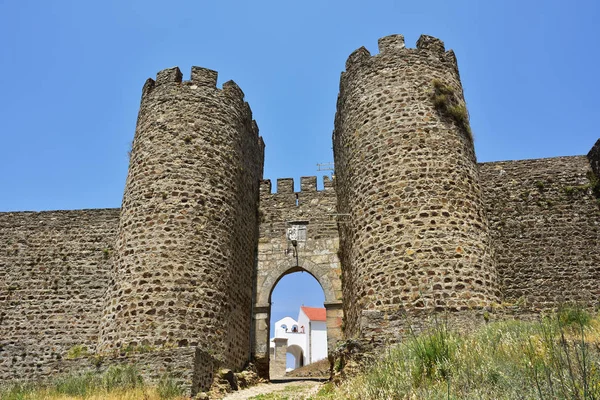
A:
[262,349]
[298,331]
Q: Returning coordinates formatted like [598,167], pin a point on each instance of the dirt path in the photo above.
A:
[292,389]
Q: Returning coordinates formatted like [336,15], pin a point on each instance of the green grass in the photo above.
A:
[288,393]
[126,377]
[593,185]
[117,382]
[557,357]
[270,396]
[76,352]
[168,388]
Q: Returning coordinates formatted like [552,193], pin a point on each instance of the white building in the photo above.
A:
[306,337]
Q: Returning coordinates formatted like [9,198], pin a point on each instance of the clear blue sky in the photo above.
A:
[71,74]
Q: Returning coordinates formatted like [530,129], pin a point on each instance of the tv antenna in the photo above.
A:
[327,166]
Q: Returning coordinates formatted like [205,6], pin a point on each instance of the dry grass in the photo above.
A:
[555,358]
[123,382]
[446,102]
[126,394]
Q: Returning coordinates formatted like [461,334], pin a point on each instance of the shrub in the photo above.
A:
[446,103]
[594,183]
[79,350]
[573,316]
[338,365]
[540,185]
[326,390]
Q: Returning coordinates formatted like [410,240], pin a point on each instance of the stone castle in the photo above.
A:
[179,278]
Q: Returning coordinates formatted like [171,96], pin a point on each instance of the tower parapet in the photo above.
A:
[417,238]
[188,229]
[594,157]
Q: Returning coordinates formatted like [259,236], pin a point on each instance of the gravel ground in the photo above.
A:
[290,389]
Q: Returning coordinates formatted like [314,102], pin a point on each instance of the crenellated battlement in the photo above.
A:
[169,75]
[394,45]
[204,77]
[285,185]
[426,42]
[199,78]
[391,43]
[357,57]
[202,83]
[308,204]
[284,196]
[308,184]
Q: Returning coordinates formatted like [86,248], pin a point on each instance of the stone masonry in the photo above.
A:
[545,221]
[188,229]
[54,271]
[277,365]
[314,213]
[179,280]
[418,237]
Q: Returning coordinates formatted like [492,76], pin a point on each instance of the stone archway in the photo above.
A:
[322,273]
[330,282]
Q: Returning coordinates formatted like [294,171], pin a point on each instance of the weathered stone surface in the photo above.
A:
[278,359]
[417,237]
[348,359]
[545,223]
[54,270]
[247,378]
[188,228]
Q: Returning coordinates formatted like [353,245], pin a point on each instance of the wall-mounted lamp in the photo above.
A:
[292,234]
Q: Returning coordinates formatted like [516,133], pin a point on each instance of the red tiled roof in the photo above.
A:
[315,314]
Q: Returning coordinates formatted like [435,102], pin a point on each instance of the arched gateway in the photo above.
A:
[310,214]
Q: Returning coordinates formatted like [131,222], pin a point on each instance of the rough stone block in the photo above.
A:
[391,43]
[169,75]
[204,77]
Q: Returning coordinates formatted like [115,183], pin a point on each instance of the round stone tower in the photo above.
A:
[415,239]
[188,232]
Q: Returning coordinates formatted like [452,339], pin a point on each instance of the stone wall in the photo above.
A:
[417,237]
[53,274]
[188,229]
[278,359]
[545,222]
[315,212]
